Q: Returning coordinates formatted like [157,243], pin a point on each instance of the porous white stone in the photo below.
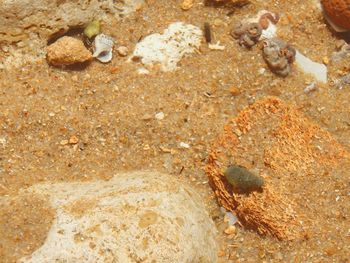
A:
[168,48]
[133,217]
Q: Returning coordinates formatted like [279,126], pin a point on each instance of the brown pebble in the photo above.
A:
[67,51]
[73,140]
[235,91]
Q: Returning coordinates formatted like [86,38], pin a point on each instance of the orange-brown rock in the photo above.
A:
[67,51]
[338,11]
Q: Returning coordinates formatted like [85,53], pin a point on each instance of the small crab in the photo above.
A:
[278,55]
[248,34]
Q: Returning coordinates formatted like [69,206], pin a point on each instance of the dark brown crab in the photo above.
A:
[278,55]
[248,34]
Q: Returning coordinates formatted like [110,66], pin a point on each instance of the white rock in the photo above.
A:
[134,217]
[318,70]
[168,48]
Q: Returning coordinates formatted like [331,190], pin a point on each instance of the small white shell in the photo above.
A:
[103,46]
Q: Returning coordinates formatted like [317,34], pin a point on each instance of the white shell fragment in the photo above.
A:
[216,46]
[103,46]
[311,87]
[318,70]
[168,48]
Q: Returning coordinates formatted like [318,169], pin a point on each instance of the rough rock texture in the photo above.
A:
[27,25]
[67,51]
[338,12]
[288,150]
[169,48]
[134,217]
[25,221]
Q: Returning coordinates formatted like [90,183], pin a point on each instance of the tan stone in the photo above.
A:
[67,51]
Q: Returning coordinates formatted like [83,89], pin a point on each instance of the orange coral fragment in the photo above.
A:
[287,148]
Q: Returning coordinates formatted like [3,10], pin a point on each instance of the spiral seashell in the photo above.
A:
[103,46]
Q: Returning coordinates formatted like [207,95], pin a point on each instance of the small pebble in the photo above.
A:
[73,140]
[160,116]
[235,91]
[340,43]
[325,60]
[123,51]
[230,230]
[262,71]
[187,4]
[146,117]
[64,142]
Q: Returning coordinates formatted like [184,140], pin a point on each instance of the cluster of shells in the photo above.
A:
[278,54]
[81,48]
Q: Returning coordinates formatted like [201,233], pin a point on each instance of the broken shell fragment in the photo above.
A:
[103,46]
